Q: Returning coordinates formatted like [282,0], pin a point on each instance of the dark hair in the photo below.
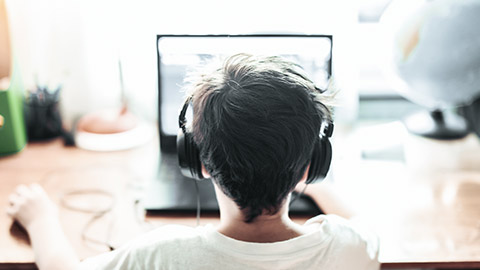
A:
[256,119]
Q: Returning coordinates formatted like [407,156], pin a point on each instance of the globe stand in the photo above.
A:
[437,124]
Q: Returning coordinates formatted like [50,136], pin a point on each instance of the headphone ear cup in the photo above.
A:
[320,161]
[327,157]
[188,156]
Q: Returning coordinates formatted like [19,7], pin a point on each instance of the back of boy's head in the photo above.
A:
[255,122]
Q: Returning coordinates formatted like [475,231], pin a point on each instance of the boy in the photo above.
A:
[256,121]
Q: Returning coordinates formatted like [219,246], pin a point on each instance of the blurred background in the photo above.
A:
[77,46]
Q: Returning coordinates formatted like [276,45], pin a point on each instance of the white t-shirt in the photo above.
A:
[332,243]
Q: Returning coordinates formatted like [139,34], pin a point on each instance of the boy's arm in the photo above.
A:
[32,208]
[326,198]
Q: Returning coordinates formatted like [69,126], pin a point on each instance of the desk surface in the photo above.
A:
[423,220]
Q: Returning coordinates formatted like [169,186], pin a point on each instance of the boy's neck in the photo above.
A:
[264,229]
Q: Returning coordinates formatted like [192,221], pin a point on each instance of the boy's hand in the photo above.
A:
[32,208]
[30,204]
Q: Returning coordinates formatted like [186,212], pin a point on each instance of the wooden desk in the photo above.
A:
[423,201]
[421,223]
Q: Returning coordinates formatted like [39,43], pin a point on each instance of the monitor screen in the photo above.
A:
[178,54]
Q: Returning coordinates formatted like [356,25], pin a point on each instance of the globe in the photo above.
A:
[434,58]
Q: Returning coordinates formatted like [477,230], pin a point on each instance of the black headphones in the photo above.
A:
[191,166]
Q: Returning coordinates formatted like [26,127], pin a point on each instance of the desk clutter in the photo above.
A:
[38,118]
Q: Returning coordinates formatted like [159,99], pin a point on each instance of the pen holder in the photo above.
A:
[42,114]
[12,125]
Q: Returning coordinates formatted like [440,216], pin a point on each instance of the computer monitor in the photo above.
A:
[177,54]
